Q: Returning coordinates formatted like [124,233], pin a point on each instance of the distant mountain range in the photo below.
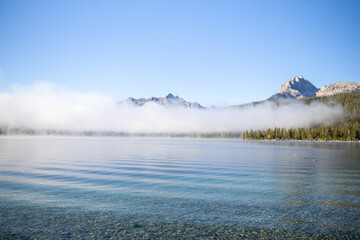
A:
[170,99]
[296,88]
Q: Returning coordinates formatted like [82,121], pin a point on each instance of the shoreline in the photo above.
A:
[295,140]
[179,136]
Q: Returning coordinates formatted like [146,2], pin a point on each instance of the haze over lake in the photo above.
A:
[92,187]
[107,109]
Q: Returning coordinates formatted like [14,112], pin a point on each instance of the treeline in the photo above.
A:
[351,132]
[5,130]
[345,129]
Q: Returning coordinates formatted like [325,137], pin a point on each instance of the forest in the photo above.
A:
[345,129]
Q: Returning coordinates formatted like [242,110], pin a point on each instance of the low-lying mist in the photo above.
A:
[46,106]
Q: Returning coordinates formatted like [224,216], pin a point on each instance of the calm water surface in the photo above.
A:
[173,188]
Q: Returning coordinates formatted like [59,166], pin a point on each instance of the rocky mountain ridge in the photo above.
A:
[339,87]
[298,88]
[169,100]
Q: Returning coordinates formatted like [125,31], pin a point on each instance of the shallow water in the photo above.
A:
[128,188]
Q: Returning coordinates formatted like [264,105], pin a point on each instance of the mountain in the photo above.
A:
[169,100]
[339,87]
[296,88]
[299,88]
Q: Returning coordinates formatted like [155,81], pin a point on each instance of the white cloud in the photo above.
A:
[46,106]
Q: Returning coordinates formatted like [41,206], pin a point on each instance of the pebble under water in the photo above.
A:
[177,188]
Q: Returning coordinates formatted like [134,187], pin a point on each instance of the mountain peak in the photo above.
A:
[297,78]
[169,96]
[168,100]
[297,87]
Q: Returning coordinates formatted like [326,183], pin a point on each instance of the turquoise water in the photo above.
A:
[177,188]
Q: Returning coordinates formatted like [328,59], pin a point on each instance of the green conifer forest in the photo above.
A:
[345,129]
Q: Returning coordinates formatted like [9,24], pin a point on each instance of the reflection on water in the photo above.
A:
[78,187]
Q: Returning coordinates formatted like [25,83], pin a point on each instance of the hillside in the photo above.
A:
[345,129]
[350,102]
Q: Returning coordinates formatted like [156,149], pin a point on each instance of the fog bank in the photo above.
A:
[46,106]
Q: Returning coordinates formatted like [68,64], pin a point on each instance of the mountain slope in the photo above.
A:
[349,100]
[299,88]
[296,88]
[339,87]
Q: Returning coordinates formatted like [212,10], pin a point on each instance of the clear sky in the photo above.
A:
[213,52]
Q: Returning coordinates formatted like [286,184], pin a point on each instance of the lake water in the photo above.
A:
[177,188]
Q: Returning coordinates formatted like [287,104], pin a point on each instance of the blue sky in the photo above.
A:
[213,52]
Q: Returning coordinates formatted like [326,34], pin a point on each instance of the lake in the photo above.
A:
[177,188]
